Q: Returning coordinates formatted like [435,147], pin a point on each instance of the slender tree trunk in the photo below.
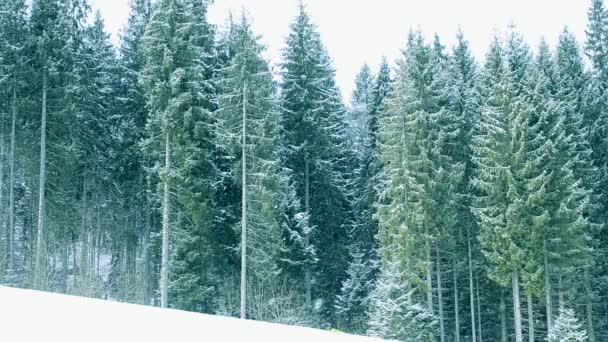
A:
[560,293]
[478,309]
[531,336]
[503,318]
[164,267]
[471,296]
[589,306]
[65,260]
[307,276]
[440,296]
[548,300]
[516,306]
[2,153]
[11,183]
[39,282]
[456,305]
[429,275]
[85,245]
[146,251]
[244,209]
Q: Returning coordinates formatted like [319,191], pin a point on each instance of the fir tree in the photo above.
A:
[14,37]
[394,314]
[567,328]
[313,118]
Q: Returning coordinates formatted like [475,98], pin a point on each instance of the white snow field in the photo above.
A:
[34,316]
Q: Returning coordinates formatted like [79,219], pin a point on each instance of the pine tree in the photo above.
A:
[14,38]
[463,101]
[501,153]
[248,111]
[129,164]
[314,122]
[177,78]
[394,314]
[567,328]
[596,44]
[352,302]
[595,122]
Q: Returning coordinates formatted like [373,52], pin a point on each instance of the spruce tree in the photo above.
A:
[14,37]
[567,328]
[177,78]
[249,127]
[394,313]
[314,122]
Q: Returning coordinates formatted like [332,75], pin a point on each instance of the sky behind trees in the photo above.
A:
[358,31]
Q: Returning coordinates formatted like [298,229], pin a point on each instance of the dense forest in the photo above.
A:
[452,199]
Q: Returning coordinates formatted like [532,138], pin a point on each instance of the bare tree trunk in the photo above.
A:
[244,209]
[146,252]
[560,292]
[457,305]
[531,336]
[548,300]
[429,275]
[503,318]
[2,153]
[85,245]
[11,183]
[307,276]
[516,306]
[440,296]
[589,306]
[39,281]
[478,309]
[471,296]
[164,267]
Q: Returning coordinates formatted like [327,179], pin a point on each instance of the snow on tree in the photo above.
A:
[317,157]
[567,328]
[394,314]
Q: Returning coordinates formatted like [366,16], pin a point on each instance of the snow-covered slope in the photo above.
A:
[35,316]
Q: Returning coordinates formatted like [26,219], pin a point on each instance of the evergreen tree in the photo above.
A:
[314,122]
[248,111]
[394,314]
[129,162]
[14,37]
[177,78]
[567,328]
[501,152]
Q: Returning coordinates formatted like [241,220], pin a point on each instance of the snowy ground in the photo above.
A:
[34,316]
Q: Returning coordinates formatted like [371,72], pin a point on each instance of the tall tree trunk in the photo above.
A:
[516,306]
[146,251]
[164,267]
[39,281]
[589,306]
[560,292]
[548,300]
[478,308]
[471,296]
[2,153]
[307,275]
[531,336]
[65,259]
[11,183]
[440,296]
[429,275]
[244,209]
[456,305]
[85,243]
[503,318]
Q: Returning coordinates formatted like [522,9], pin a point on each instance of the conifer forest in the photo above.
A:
[451,199]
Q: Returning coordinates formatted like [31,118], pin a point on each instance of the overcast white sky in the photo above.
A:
[358,31]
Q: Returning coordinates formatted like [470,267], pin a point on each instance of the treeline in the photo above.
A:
[451,200]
